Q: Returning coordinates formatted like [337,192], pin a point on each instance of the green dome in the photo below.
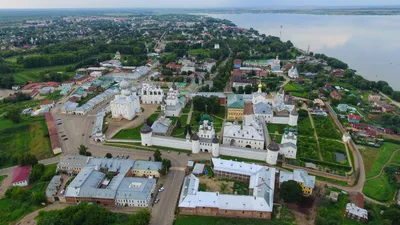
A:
[206,117]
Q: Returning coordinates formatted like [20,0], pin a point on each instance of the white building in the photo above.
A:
[47,104]
[171,105]
[292,73]
[151,94]
[126,104]
[248,135]
[259,203]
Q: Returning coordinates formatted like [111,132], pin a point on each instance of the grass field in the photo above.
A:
[379,188]
[329,148]
[396,158]
[132,133]
[374,159]
[273,128]
[28,136]
[326,128]
[2,177]
[304,127]
[33,74]
[307,148]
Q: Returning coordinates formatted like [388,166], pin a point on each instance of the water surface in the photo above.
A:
[368,44]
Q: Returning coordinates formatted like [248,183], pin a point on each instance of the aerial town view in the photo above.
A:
[199,113]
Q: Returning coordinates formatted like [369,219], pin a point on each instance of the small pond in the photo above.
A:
[340,157]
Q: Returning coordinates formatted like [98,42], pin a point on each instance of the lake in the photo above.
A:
[368,44]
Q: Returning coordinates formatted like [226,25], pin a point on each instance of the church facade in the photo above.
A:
[126,104]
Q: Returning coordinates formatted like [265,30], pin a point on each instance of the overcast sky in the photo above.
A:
[185,3]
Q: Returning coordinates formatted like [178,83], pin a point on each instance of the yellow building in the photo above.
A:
[146,168]
[306,181]
[235,107]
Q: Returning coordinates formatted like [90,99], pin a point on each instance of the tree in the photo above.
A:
[14,116]
[15,193]
[157,156]
[27,159]
[36,172]
[196,80]
[82,149]
[188,129]
[166,165]
[38,198]
[291,191]
[178,123]
[109,155]
[141,217]
[248,89]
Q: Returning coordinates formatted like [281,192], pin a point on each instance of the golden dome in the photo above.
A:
[260,85]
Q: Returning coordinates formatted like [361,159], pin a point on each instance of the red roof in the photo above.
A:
[21,173]
[52,84]
[360,200]
[335,94]
[354,117]
[51,126]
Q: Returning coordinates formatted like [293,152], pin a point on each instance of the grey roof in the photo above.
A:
[51,189]
[198,168]
[161,126]
[146,129]
[135,188]
[273,146]
[294,112]
[262,108]
[74,161]
[146,165]
[195,137]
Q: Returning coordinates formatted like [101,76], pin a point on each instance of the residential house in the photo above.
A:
[310,75]
[374,97]
[356,213]
[386,107]
[336,95]
[338,73]
[47,104]
[21,176]
[352,118]
[342,107]
[299,80]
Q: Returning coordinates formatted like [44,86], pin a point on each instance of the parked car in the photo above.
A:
[127,157]
[188,154]
[63,135]
[65,139]
[161,189]
[59,123]
[169,151]
[179,153]
[156,201]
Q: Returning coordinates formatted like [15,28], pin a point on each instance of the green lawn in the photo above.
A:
[326,128]
[132,133]
[304,127]
[293,87]
[374,158]
[2,177]
[396,158]
[33,74]
[379,188]
[329,148]
[30,136]
[273,128]
[307,148]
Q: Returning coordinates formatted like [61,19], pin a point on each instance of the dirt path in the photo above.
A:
[315,135]
[30,218]
[383,167]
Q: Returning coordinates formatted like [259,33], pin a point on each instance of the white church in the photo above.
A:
[171,104]
[292,73]
[278,109]
[125,104]
[151,94]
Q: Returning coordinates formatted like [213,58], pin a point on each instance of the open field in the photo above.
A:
[131,133]
[374,158]
[28,136]
[33,74]
[276,128]
[379,188]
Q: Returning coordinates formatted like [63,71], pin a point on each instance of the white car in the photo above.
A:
[161,189]
[157,200]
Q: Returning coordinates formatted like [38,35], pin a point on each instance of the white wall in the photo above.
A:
[243,152]
[280,120]
[172,142]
